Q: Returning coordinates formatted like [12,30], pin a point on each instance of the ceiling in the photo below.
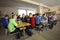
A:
[48,2]
[14,3]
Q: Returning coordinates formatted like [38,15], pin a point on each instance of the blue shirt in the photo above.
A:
[49,20]
[4,22]
[38,19]
[43,18]
[23,19]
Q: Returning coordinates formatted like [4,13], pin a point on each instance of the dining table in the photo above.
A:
[22,25]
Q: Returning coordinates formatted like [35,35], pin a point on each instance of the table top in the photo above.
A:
[22,25]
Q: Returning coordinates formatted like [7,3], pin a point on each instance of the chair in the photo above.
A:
[12,36]
[47,25]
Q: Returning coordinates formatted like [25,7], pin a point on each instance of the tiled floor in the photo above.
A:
[45,35]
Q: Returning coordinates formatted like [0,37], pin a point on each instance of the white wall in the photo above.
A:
[8,10]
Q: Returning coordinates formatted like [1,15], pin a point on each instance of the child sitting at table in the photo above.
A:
[32,20]
[19,21]
[54,18]
[44,20]
[38,20]
[12,26]
[51,21]
[24,19]
[27,19]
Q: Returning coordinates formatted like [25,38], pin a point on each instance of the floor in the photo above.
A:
[53,34]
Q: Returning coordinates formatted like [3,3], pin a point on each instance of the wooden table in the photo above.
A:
[22,25]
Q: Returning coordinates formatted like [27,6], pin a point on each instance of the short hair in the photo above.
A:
[33,14]
[43,14]
[6,15]
[23,14]
[30,13]
[13,15]
[37,14]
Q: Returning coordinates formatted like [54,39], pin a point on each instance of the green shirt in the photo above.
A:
[12,24]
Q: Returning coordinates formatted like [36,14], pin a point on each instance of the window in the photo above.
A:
[30,11]
[20,12]
[26,12]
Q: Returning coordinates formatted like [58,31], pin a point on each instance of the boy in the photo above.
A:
[32,20]
[5,23]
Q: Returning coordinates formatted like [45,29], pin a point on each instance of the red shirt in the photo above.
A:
[32,21]
[51,17]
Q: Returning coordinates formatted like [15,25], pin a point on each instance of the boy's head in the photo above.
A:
[14,16]
[30,14]
[23,15]
[6,16]
[43,15]
[33,14]
[37,14]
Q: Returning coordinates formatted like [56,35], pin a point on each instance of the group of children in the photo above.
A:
[37,21]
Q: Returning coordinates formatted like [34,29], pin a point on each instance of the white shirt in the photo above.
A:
[54,17]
